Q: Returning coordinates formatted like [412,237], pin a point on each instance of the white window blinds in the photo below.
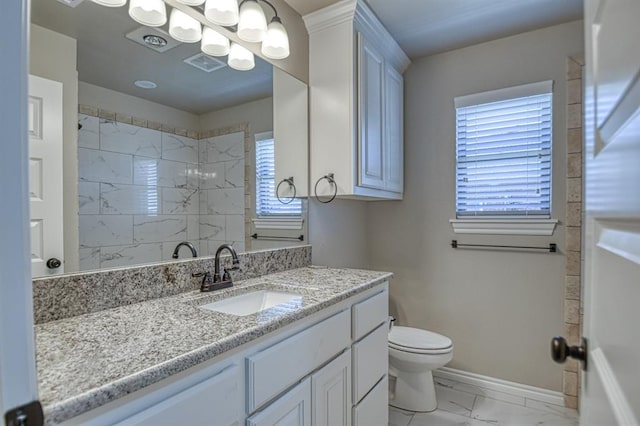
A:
[503,161]
[266,202]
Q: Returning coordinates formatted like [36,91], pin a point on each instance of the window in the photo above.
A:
[267,205]
[503,161]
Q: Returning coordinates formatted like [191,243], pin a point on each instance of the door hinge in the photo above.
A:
[30,414]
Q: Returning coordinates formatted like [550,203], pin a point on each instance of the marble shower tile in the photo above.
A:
[100,166]
[225,147]
[129,139]
[193,228]
[179,148]
[89,259]
[212,175]
[105,230]
[150,171]
[89,132]
[234,174]
[129,199]
[212,227]
[502,413]
[180,201]
[193,176]
[156,229]
[234,227]
[225,201]
[88,198]
[114,256]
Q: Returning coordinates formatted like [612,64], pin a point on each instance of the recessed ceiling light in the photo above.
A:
[154,40]
[145,84]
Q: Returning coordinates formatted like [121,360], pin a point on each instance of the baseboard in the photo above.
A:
[499,385]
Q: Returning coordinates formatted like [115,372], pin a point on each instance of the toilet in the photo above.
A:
[413,354]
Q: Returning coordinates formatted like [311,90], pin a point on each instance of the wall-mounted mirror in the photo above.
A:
[158,145]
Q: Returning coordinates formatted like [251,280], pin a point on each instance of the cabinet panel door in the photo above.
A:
[394,98]
[331,393]
[374,408]
[211,402]
[291,409]
[370,115]
[370,361]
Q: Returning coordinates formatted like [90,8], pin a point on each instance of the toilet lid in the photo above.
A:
[415,338]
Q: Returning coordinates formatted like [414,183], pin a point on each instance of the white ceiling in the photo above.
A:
[425,27]
[107,59]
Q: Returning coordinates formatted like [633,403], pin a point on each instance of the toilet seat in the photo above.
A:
[415,340]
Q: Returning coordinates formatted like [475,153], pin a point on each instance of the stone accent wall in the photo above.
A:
[573,221]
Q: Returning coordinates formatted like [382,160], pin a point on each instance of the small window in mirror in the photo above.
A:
[267,204]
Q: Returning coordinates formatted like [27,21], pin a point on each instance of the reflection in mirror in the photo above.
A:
[159,142]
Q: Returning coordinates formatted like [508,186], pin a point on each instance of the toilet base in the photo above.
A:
[414,391]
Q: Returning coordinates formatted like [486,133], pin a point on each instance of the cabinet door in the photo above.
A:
[331,393]
[394,99]
[370,115]
[211,402]
[373,410]
[291,409]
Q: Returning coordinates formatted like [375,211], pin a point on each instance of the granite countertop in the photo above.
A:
[89,360]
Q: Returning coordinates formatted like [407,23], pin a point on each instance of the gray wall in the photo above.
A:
[500,308]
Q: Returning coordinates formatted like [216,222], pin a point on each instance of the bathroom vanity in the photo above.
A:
[319,357]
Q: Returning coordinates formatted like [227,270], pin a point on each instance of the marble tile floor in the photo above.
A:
[460,404]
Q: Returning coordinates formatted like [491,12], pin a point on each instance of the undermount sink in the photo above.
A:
[256,301]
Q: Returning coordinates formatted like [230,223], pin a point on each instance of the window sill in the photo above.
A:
[504,226]
[277,223]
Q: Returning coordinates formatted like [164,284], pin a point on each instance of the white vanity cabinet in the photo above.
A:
[356,103]
[323,370]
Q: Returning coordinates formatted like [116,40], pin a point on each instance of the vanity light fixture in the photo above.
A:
[222,12]
[276,44]
[214,43]
[110,3]
[152,13]
[184,28]
[240,58]
[191,2]
[252,26]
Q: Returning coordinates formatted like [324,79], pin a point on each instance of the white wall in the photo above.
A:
[110,100]
[500,308]
[53,56]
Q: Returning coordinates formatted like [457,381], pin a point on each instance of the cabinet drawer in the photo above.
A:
[213,401]
[370,362]
[274,369]
[291,409]
[374,408]
[369,313]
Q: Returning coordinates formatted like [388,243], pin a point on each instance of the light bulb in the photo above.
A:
[276,43]
[152,13]
[222,12]
[214,43]
[184,28]
[110,3]
[252,25]
[240,58]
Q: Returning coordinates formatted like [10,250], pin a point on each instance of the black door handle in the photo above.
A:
[53,263]
[560,351]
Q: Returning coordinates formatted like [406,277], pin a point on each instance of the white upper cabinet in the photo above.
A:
[356,104]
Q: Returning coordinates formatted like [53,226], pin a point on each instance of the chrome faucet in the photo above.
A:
[194,253]
[216,282]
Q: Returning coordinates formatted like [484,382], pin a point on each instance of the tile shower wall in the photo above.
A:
[143,190]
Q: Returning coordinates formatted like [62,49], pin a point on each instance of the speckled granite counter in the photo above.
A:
[86,361]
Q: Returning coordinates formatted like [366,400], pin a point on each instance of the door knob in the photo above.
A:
[53,263]
[560,351]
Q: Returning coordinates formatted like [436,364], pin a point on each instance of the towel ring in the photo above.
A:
[332,181]
[289,180]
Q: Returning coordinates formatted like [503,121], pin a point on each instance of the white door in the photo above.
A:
[17,356]
[611,385]
[45,176]
[291,409]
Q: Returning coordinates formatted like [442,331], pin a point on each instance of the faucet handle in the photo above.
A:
[236,265]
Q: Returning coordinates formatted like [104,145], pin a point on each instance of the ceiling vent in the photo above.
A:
[205,63]
[153,38]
